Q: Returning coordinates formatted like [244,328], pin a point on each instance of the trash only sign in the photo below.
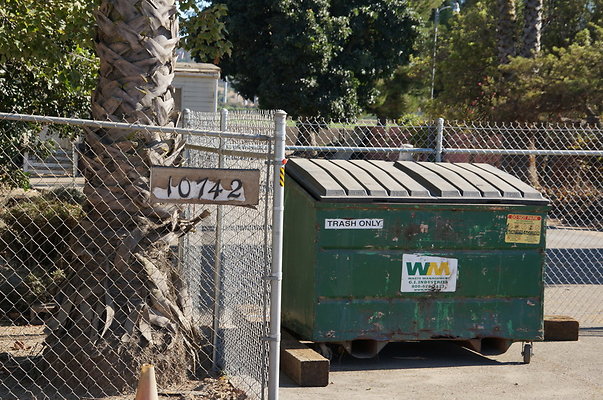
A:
[421,273]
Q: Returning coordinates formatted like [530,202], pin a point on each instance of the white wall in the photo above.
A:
[199,93]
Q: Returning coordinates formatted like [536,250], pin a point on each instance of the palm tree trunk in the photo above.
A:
[505,30]
[532,28]
[124,303]
[530,49]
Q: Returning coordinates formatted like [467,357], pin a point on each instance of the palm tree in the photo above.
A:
[124,303]
[530,48]
[532,28]
[505,30]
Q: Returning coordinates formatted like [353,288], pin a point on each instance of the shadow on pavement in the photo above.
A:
[592,331]
[412,355]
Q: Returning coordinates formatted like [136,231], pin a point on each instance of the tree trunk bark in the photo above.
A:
[532,28]
[124,303]
[530,49]
[505,30]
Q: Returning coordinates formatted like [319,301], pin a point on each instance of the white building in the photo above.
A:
[196,86]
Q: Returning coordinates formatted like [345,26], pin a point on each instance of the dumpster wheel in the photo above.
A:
[527,352]
[325,351]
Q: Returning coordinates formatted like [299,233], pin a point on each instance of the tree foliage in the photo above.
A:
[204,32]
[563,81]
[563,20]
[316,57]
[398,95]
[46,62]
[467,60]
[46,67]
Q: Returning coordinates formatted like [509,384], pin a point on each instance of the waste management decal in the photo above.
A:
[422,273]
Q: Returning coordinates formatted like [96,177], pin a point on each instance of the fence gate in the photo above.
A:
[229,257]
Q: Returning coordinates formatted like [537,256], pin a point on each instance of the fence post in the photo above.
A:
[280,120]
[218,249]
[223,119]
[75,157]
[439,139]
[183,253]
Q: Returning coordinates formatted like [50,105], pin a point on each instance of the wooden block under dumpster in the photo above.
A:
[560,328]
[302,364]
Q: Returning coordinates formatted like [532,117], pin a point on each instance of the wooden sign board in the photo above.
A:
[240,187]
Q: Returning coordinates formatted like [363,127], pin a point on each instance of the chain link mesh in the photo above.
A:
[564,161]
[222,263]
[92,283]
[242,236]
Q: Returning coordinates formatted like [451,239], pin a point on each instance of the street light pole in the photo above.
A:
[436,21]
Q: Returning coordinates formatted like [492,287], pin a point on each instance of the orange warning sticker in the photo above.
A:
[523,228]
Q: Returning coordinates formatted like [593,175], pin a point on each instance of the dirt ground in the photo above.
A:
[20,345]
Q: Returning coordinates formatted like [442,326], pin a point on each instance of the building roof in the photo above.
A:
[203,69]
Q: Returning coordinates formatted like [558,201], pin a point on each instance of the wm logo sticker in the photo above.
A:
[421,273]
[428,268]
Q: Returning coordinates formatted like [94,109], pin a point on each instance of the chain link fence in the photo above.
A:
[95,280]
[237,278]
[564,161]
[85,270]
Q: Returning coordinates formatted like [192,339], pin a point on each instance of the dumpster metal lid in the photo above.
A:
[409,181]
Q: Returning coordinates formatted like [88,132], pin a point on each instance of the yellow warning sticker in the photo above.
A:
[523,228]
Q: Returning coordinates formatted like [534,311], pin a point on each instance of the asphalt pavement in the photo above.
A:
[442,370]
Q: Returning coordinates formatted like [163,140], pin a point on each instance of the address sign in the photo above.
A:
[205,186]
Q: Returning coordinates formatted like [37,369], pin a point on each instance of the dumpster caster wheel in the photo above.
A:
[325,351]
[527,353]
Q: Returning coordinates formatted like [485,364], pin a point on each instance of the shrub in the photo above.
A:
[34,243]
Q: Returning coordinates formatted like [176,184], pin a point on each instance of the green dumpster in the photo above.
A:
[378,251]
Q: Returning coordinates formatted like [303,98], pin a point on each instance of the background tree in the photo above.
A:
[468,57]
[568,83]
[47,67]
[204,32]
[403,92]
[562,20]
[316,57]
[472,84]
[123,302]
[532,28]
[505,30]
[398,95]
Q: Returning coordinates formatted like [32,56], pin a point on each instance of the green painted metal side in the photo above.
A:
[341,285]
[299,260]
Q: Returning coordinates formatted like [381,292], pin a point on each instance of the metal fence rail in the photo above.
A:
[79,276]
